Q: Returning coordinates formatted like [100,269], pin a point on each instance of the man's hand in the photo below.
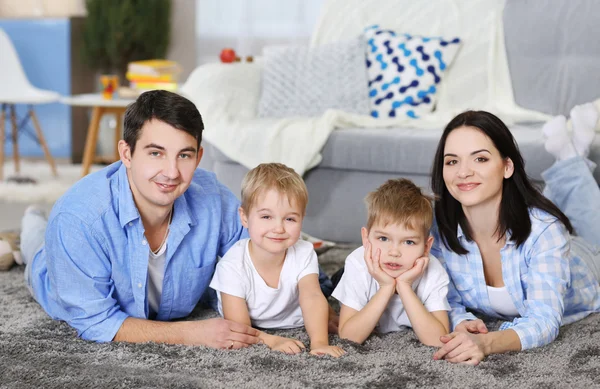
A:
[221,333]
[461,347]
[334,351]
[409,276]
[472,326]
[373,261]
[282,344]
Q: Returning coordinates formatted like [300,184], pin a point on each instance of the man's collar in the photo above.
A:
[127,209]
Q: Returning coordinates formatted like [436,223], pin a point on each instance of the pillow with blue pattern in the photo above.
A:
[404,71]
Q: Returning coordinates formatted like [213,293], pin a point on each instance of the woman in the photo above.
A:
[507,248]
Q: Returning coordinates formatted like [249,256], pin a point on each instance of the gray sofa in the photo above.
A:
[554,58]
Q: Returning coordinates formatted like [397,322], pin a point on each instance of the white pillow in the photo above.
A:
[404,71]
[299,81]
[222,90]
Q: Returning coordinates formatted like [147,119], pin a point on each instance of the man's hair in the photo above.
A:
[275,176]
[168,107]
[400,201]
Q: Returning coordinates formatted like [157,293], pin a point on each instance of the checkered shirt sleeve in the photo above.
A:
[548,278]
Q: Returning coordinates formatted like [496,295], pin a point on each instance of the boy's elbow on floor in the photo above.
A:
[432,342]
[344,334]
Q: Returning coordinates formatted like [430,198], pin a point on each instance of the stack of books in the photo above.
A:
[153,74]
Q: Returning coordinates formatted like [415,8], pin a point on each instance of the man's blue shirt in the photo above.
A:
[93,269]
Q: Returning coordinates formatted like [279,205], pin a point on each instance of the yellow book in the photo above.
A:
[136,77]
[154,67]
[170,86]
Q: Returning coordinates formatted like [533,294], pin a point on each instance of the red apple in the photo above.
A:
[227,55]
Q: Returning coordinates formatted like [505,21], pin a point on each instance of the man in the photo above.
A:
[139,239]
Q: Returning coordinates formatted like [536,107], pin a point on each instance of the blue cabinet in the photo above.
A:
[48,53]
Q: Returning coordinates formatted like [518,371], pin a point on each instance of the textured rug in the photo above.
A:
[47,188]
[36,352]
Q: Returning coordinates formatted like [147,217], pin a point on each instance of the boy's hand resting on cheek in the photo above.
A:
[334,351]
[412,274]
[373,261]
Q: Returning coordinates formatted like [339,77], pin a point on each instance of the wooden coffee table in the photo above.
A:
[100,107]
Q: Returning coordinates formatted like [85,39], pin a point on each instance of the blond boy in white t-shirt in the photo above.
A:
[271,280]
[392,282]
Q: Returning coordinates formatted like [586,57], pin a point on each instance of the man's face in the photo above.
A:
[400,246]
[162,166]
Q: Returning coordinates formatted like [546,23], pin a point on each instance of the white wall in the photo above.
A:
[41,8]
[183,36]
[202,28]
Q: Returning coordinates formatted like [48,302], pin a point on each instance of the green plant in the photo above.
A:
[117,32]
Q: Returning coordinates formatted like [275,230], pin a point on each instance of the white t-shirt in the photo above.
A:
[357,287]
[268,307]
[156,274]
[501,302]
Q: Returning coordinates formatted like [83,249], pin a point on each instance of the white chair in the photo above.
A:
[16,89]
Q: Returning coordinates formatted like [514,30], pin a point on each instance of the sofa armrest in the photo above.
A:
[230,89]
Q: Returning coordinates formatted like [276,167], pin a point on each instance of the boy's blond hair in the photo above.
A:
[273,176]
[400,201]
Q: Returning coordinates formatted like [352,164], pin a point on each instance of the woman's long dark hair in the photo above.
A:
[518,193]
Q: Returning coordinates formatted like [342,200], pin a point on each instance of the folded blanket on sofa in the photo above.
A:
[227,95]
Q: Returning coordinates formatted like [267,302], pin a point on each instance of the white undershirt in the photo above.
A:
[156,274]
[501,301]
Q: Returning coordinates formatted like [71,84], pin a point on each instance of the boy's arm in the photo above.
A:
[358,325]
[236,309]
[315,311]
[429,326]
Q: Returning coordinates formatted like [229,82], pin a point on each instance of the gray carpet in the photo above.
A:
[37,352]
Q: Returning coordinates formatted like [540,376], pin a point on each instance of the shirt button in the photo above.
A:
[144,242]
[139,284]
[130,224]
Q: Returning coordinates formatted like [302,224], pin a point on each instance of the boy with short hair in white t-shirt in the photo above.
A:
[271,280]
[391,281]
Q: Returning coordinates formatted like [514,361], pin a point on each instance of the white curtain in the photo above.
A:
[249,25]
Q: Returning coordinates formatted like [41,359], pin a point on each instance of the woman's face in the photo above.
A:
[474,170]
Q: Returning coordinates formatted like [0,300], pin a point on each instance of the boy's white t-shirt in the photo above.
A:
[268,307]
[357,287]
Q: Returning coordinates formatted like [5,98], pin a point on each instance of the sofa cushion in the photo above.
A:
[404,71]
[408,152]
[554,57]
[403,151]
[299,81]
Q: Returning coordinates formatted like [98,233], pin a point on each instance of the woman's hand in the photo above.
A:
[472,326]
[461,347]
